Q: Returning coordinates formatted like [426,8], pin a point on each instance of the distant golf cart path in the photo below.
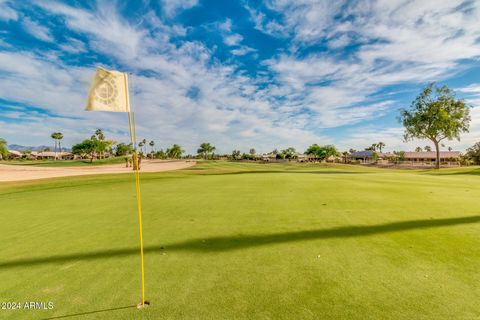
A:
[20,173]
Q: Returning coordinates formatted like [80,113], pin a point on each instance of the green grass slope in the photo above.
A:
[246,241]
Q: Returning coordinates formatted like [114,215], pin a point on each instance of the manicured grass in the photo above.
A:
[247,241]
[65,163]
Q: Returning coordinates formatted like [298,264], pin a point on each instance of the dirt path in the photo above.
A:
[19,172]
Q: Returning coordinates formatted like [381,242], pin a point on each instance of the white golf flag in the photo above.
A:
[109,92]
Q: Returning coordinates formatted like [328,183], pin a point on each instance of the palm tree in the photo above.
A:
[59,138]
[380,146]
[175,151]
[418,149]
[56,136]
[428,148]
[373,147]
[144,143]
[140,145]
[205,149]
[152,143]
[345,156]
[450,149]
[100,135]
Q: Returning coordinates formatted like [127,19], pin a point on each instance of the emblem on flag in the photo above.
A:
[109,92]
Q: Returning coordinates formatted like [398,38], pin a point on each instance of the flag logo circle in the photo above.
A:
[106,91]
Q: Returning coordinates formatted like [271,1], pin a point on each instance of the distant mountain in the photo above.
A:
[33,148]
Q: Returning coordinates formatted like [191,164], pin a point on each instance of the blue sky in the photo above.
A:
[239,74]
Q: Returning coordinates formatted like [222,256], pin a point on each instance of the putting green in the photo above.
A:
[246,241]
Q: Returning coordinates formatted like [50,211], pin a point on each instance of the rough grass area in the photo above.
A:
[246,241]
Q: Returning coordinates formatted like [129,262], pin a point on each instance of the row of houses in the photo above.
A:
[362,157]
[413,158]
[40,155]
[368,157]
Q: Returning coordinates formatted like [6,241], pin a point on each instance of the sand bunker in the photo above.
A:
[20,172]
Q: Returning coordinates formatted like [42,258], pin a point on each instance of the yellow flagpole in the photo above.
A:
[133,139]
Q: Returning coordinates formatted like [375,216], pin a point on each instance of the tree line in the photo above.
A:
[435,114]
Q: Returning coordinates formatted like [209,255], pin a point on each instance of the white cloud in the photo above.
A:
[172,7]
[270,27]
[233,39]
[6,12]
[73,46]
[109,32]
[229,110]
[399,42]
[243,50]
[473,88]
[38,31]
[339,42]
[226,26]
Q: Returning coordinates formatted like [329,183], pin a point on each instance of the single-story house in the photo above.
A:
[430,156]
[14,154]
[302,157]
[52,155]
[269,156]
[366,155]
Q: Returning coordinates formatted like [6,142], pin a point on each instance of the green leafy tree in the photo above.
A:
[321,152]
[435,115]
[175,152]
[400,155]
[86,147]
[160,154]
[205,150]
[26,154]
[428,148]
[289,154]
[418,149]
[3,149]
[236,155]
[123,149]
[252,151]
[473,153]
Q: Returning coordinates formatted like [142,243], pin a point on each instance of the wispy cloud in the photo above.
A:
[38,31]
[172,7]
[6,11]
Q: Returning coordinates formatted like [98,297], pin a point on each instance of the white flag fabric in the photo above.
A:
[109,92]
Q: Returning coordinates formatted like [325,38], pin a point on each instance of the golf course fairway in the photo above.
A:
[228,240]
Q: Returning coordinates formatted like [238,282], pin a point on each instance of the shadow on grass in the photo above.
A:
[219,244]
[88,313]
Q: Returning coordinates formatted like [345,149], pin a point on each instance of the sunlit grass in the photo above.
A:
[231,240]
